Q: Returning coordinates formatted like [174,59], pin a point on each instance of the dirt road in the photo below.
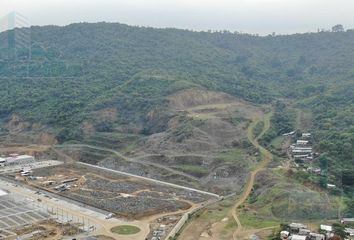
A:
[266,159]
[128,159]
[205,227]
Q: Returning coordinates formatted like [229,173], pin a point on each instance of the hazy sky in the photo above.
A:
[252,16]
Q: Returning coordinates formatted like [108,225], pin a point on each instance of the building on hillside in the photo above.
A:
[300,156]
[284,235]
[347,220]
[306,135]
[295,227]
[316,171]
[304,232]
[317,236]
[302,150]
[326,228]
[303,157]
[289,133]
[302,142]
[306,152]
[298,237]
[350,232]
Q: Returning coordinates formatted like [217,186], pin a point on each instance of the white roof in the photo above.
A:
[348,219]
[23,157]
[326,228]
[2,193]
[298,237]
[302,151]
[286,233]
[297,225]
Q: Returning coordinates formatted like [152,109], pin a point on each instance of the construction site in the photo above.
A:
[52,199]
[30,219]
[127,197]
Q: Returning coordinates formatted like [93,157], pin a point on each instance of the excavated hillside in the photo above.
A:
[204,144]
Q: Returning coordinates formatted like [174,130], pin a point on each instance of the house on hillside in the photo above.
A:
[289,133]
[350,232]
[302,142]
[317,236]
[306,135]
[347,220]
[284,235]
[296,227]
[316,171]
[297,237]
[326,228]
[302,150]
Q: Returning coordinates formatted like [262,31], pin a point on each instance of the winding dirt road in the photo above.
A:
[266,159]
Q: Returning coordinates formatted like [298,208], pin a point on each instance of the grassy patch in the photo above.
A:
[125,230]
[256,222]
[257,130]
[277,142]
[235,155]
[284,199]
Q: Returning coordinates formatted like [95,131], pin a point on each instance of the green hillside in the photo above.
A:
[77,70]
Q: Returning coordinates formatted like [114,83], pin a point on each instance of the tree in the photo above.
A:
[338,28]
[323,162]
[339,230]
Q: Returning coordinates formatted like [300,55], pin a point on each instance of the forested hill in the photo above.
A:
[76,70]
[94,63]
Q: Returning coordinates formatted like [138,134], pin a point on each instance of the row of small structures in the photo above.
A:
[301,151]
[299,231]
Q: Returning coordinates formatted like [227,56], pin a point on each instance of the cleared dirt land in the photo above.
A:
[127,197]
[203,144]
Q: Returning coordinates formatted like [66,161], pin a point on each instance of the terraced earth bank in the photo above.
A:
[204,144]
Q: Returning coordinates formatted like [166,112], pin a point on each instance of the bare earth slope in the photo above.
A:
[204,144]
